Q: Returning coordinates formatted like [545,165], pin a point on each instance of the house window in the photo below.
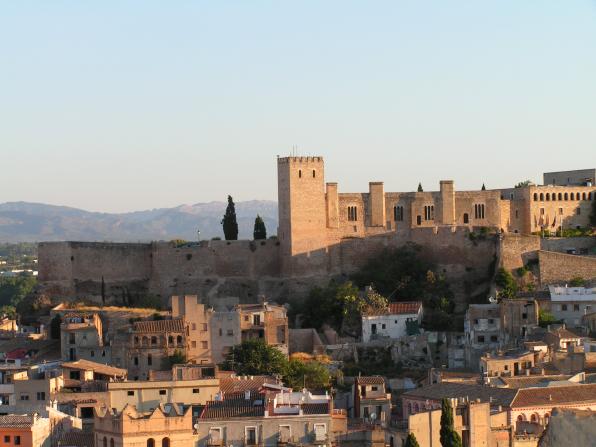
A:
[205,327]
[179,340]
[398,213]
[230,332]
[299,173]
[560,211]
[24,397]
[136,361]
[195,391]
[204,345]
[193,326]
[563,307]
[162,392]
[419,220]
[165,442]
[352,213]
[149,360]
[17,440]
[576,307]
[256,319]
[466,218]
[250,435]
[6,439]
[193,344]
[130,393]
[150,442]
[481,339]
[71,339]
[41,395]
[382,326]
[542,211]
[493,338]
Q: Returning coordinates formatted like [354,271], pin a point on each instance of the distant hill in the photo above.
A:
[31,222]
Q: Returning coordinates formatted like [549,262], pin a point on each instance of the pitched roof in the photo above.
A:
[532,381]
[77,439]
[370,380]
[16,421]
[235,405]
[553,396]
[497,396]
[564,333]
[173,325]
[405,307]
[231,385]
[315,408]
[100,368]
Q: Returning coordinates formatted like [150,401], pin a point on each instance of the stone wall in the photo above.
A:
[517,250]
[559,267]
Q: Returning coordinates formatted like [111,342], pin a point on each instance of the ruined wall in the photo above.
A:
[559,267]
[517,250]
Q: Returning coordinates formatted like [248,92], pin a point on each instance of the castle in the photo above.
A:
[323,233]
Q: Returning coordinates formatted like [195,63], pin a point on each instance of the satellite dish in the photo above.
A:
[492,300]
[196,426]
[373,416]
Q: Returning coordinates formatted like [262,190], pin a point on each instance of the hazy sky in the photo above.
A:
[122,105]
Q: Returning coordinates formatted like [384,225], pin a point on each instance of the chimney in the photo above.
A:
[247,395]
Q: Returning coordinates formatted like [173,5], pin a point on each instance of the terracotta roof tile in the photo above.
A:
[315,408]
[173,325]
[235,405]
[76,439]
[370,380]
[230,385]
[16,421]
[553,396]
[399,308]
[100,368]
[496,396]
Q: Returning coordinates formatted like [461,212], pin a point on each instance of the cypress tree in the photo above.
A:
[411,441]
[483,187]
[449,437]
[229,223]
[420,187]
[259,232]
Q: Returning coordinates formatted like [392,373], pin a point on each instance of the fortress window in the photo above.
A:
[584,196]
[541,197]
[548,196]
[535,197]
[516,214]
[419,220]
[572,196]
[299,173]
[479,211]
[398,213]
[566,196]
[466,218]
[352,213]
[429,212]
[149,360]
[560,197]
[561,211]
[314,174]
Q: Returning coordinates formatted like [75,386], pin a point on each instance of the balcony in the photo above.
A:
[215,443]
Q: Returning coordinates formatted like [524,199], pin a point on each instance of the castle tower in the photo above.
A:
[301,203]
[447,202]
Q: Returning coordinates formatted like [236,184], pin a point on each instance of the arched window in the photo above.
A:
[416,408]
[111,442]
[145,341]
[534,418]
[541,197]
[466,218]
[165,442]
[179,340]
[150,442]
[520,418]
[105,442]
[548,196]
[314,174]
[560,196]
[572,196]
[153,341]
[299,173]
[352,213]
[149,359]
[589,196]
[136,341]
[566,196]
[535,197]
[583,196]
[170,340]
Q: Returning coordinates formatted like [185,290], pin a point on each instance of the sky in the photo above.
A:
[128,105]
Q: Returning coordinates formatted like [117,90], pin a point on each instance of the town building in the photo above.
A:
[508,363]
[81,336]
[262,321]
[561,338]
[196,318]
[26,430]
[518,317]
[392,322]
[371,401]
[570,304]
[267,419]
[165,426]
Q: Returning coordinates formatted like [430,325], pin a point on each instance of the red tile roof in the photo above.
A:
[553,396]
[405,307]
[230,385]
[370,380]
[315,408]
[16,421]
[77,439]
[235,405]
[173,325]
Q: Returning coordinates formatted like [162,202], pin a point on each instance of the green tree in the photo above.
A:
[411,441]
[14,289]
[545,318]
[229,222]
[254,357]
[522,184]
[55,327]
[483,187]
[259,232]
[593,215]
[177,358]
[577,281]
[506,282]
[420,187]
[310,375]
[449,437]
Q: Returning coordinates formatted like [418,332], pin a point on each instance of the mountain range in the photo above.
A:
[36,222]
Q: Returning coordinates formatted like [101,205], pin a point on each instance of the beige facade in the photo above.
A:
[506,364]
[165,426]
[81,336]
[371,401]
[197,325]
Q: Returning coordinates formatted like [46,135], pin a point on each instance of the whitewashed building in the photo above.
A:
[390,322]
[570,304]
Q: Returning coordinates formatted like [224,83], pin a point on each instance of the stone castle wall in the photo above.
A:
[559,267]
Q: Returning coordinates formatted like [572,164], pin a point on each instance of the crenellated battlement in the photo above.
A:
[299,159]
